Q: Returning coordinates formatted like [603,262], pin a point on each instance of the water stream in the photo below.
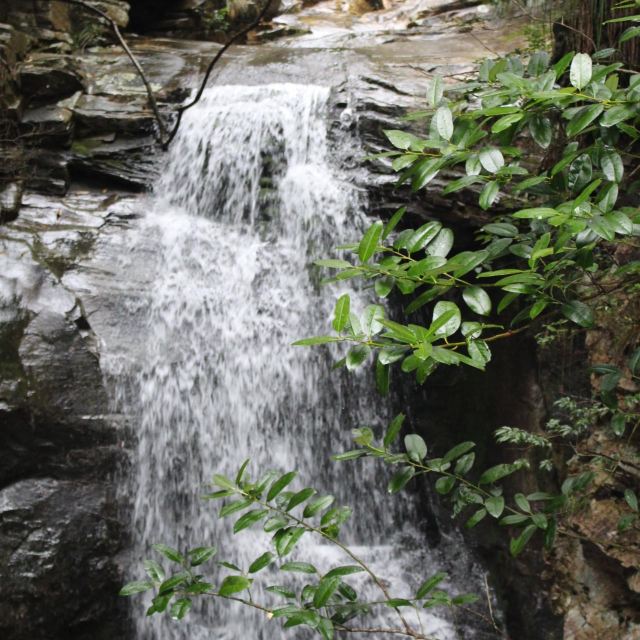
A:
[250,195]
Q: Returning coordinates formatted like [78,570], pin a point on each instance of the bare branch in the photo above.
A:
[212,64]
[123,43]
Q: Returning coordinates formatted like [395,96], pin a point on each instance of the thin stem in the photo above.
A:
[134,61]
[339,544]
[212,64]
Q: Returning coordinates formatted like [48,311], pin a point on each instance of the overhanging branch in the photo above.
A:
[165,137]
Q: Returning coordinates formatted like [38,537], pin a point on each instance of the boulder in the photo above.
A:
[129,161]
[53,586]
[102,114]
[49,77]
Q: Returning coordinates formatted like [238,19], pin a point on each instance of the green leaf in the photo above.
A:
[518,544]
[492,159]
[477,300]
[579,313]
[261,562]
[400,139]
[393,222]
[382,378]
[315,506]
[136,587]
[249,519]
[345,570]
[394,603]
[537,213]
[234,584]
[299,567]
[446,318]
[581,70]
[583,119]
[159,604]
[349,455]
[475,518]
[282,591]
[457,451]
[400,479]
[612,166]
[325,627]
[341,312]
[154,570]
[168,552]
[310,342]
[506,121]
[496,473]
[300,497]
[171,583]
[357,355]
[442,243]
[514,520]
[429,585]
[383,286]
[423,236]
[522,502]
[200,555]
[489,194]
[286,539]
[233,507]
[221,481]
[495,506]
[180,608]
[618,114]
[393,430]
[280,484]
[631,499]
[444,122]
[369,242]
[415,446]
[541,130]
[326,588]
[445,484]
[502,229]
[435,90]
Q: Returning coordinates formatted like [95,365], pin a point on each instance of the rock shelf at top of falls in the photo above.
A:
[64,444]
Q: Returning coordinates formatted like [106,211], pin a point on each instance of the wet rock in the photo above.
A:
[101,114]
[47,77]
[276,32]
[47,126]
[10,200]
[132,162]
[57,541]
[358,7]
[49,173]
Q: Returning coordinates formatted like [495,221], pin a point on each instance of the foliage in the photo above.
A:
[327,602]
[547,148]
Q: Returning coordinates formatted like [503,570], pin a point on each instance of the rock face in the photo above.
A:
[59,447]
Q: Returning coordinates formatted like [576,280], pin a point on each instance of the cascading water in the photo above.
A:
[248,199]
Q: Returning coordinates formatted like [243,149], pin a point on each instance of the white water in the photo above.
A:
[209,377]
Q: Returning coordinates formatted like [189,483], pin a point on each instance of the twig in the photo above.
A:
[123,43]
[488,594]
[210,68]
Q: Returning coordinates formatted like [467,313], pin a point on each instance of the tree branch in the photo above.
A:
[162,130]
[212,64]
[164,137]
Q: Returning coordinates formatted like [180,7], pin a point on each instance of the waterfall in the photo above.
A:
[251,194]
